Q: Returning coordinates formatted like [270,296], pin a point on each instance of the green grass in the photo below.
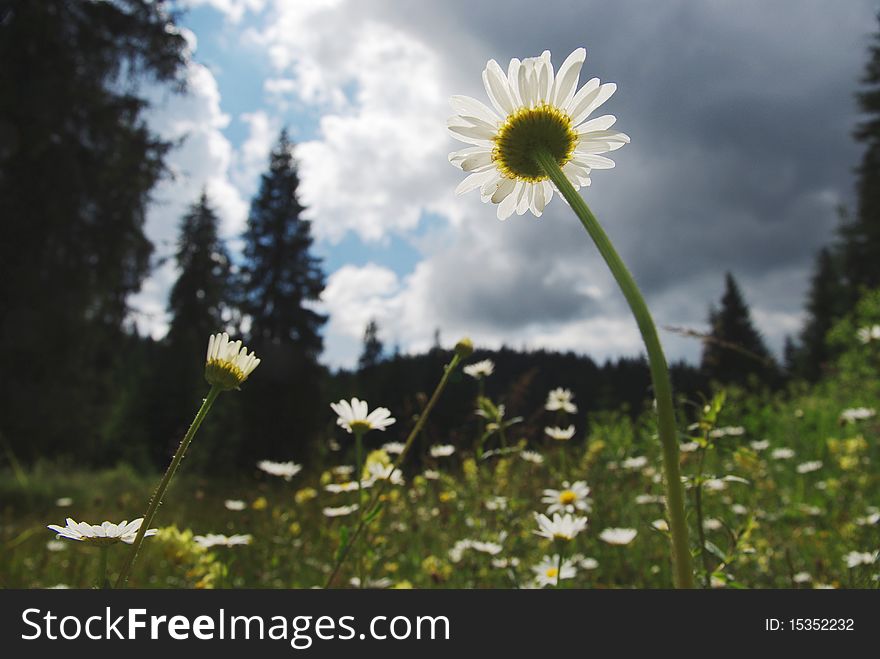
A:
[779,524]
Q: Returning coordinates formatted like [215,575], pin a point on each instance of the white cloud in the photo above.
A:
[252,156]
[233,10]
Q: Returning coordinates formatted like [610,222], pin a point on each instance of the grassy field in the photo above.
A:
[786,491]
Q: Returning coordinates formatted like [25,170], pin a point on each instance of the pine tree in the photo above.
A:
[826,302]
[280,281]
[373,348]
[77,163]
[734,351]
[862,235]
[202,295]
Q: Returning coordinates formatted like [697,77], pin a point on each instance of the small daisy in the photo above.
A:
[491,548]
[688,447]
[560,399]
[561,527]
[782,454]
[481,369]
[616,536]
[647,499]
[64,502]
[56,545]
[727,431]
[442,450]
[547,572]
[431,474]
[532,456]
[808,467]
[105,533]
[234,504]
[868,334]
[856,558]
[712,524]
[496,503]
[348,486]
[393,448]
[376,471]
[532,108]
[228,364]
[857,414]
[340,511]
[285,470]
[559,434]
[353,416]
[344,471]
[802,577]
[220,540]
[760,445]
[571,498]
[660,525]
[635,463]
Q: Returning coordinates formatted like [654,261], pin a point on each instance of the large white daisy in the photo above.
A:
[353,416]
[104,533]
[228,363]
[533,108]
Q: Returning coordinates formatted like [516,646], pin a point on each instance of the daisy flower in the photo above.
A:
[431,474]
[353,416]
[349,486]
[559,434]
[635,463]
[868,334]
[481,369]
[376,471]
[220,540]
[808,467]
[234,504]
[285,470]
[105,533]
[727,431]
[228,364]
[857,414]
[856,558]
[547,572]
[64,502]
[393,448]
[560,527]
[533,108]
[782,453]
[560,399]
[532,456]
[442,450]
[340,511]
[617,536]
[760,445]
[571,498]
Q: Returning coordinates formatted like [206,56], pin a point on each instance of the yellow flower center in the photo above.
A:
[567,497]
[527,131]
[224,374]
[551,572]
[360,426]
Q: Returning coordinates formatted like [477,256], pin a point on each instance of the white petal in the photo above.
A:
[477,162]
[599,123]
[471,107]
[504,191]
[507,205]
[538,201]
[523,198]
[497,88]
[545,78]
[513,80]
[587,90]
[474,181]
[593,161]
[567,78]
[476,135]
[591,102]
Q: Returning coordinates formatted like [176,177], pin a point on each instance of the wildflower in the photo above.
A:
[660,525]
[712,524]
[340,511]
[354,418]
[560,527]
[105,533]
[220,540]
[802,577]
[345,471]
[571,498]
[228,364]
[376,471]
[305,494]
[635,463]
[560,399]
[532,456]
[479,370]
[532,108]
[857,414]
[64,502]
[491,548]
[431,474]
[868,334]
[727,431]
[739,509]
[496,503]
[234,504]
[618,536]
[688,447]
[56,545]
[559,434]
[285,470]
[504,563]
[760,445]
[548,572]
[807,467]
[645,499]
[442,450]
[393,448]
[856,558]
[782,454]
[348,486]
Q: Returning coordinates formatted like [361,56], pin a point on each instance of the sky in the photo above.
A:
[740,115]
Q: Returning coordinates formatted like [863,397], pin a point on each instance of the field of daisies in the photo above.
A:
[780,492]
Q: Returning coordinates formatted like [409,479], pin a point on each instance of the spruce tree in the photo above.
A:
[862,235]
[371,353]
[77,163]
[734,351]
[281,280]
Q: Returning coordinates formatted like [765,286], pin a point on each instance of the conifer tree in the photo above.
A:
[735,350]
[373,348]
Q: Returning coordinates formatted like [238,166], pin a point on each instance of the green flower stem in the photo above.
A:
[382,484]
[163,484]
[103,582]
[681,556]
[359,475]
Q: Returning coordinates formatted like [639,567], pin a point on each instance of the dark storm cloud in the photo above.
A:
[741,116]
